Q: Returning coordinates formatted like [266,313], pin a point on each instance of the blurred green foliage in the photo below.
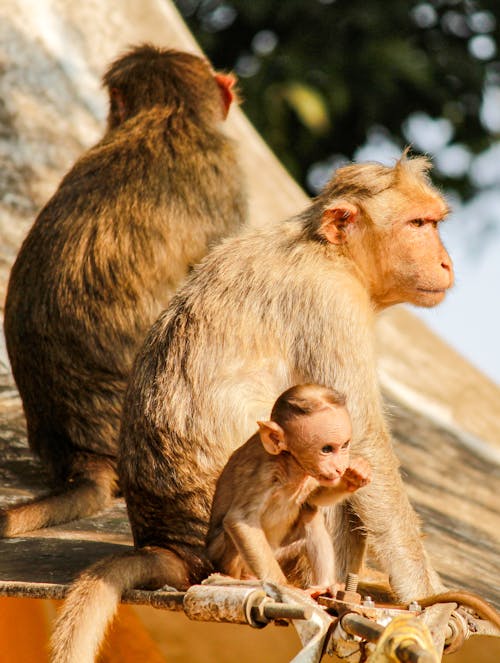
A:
[317,75]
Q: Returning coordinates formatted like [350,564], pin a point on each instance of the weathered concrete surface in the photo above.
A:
[52,54]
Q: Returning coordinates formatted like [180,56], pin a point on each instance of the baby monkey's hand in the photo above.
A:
[358,474]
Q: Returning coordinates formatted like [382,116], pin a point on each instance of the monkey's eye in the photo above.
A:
[418,223]
[327,449]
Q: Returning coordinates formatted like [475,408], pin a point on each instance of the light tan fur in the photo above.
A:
[293,303]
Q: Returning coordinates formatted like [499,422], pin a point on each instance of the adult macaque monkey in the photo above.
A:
[289,304]
[104,258]
[275,483]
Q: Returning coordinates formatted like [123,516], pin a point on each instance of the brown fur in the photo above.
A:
[101,261]
[265,310]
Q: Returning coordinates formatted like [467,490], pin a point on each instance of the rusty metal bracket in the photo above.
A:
[311,621]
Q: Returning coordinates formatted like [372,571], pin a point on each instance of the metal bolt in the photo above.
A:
[368,602]
[351,584]
[263,609]
[415,607]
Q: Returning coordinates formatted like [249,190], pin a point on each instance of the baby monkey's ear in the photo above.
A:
[272,437]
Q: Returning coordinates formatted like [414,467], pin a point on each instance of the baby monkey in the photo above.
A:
[266,504]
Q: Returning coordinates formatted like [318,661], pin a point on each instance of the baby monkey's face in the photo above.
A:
[320,443]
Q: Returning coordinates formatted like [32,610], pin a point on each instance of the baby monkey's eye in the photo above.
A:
[418,223]
[327,449]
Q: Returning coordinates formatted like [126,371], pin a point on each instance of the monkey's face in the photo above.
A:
[320,443]
[409,262]
[394,240]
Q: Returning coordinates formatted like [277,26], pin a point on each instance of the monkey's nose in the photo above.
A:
[447,266]
[446,262]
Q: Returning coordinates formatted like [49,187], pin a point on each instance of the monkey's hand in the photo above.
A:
[357,475]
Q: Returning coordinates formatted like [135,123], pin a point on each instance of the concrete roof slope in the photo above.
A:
[52,107]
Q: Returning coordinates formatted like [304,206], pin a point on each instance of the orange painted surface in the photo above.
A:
[155,636]
[24,631]
[26,624]
[128,641]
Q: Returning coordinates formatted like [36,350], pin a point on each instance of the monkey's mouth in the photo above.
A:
[433,291]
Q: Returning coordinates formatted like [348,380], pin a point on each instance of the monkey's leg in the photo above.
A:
[394,536]
[91,490]
[320,551]
[291,551]
[349,540]
[293,559]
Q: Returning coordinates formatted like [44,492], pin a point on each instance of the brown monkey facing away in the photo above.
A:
[275,483]
[102,260]
[270,308]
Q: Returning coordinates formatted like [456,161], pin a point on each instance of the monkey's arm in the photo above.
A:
[323,496]
[356,475]
[319,551]
[253,546]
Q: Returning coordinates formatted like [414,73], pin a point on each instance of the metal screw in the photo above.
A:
[368,602]
[351,584]
[415,607]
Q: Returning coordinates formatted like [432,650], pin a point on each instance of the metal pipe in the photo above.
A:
[365,628]
[274,610]
[410,652]
[239,604]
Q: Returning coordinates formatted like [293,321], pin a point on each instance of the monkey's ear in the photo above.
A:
[118,104]
[335,220]
[272,437]
[226,82]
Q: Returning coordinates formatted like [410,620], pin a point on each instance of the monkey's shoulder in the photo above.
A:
[246,460]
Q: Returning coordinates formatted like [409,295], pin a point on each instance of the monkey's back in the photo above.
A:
[100,262]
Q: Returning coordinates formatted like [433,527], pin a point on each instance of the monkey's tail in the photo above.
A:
[462,597]
[94,598]
[87,495]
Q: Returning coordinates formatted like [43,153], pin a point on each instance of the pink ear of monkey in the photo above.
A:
[335,219]
[119,103]
[226,82]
